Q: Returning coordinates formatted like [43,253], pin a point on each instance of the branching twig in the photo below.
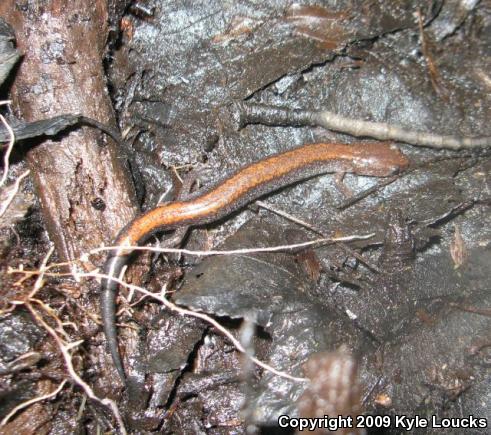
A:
[42,270]
[65,351]
[224,331]
[196,314]
[65,347]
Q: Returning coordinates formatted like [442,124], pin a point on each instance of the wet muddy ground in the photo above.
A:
[410,305]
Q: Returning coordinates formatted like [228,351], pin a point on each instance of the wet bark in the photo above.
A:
[84,188]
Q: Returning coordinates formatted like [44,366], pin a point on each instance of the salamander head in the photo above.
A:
[378,159]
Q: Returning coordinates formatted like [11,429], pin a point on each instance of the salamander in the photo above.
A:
[246,185]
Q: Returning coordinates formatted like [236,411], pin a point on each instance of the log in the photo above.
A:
[85,190]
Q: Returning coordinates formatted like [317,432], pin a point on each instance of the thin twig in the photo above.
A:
[435,77]
[364,193]
[231,252]
[316,230]
[13,191]
[6,156]
[470,309]
[31,402]
[290,217]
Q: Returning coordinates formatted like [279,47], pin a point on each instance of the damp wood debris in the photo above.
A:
[360,292]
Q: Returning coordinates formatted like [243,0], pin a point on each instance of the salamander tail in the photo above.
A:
[109,288]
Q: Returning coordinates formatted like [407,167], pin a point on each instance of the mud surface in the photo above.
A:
[410,303]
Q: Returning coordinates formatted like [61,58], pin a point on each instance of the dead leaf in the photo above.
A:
[458,251]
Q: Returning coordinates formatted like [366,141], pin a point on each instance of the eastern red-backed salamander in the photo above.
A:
[248,184]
